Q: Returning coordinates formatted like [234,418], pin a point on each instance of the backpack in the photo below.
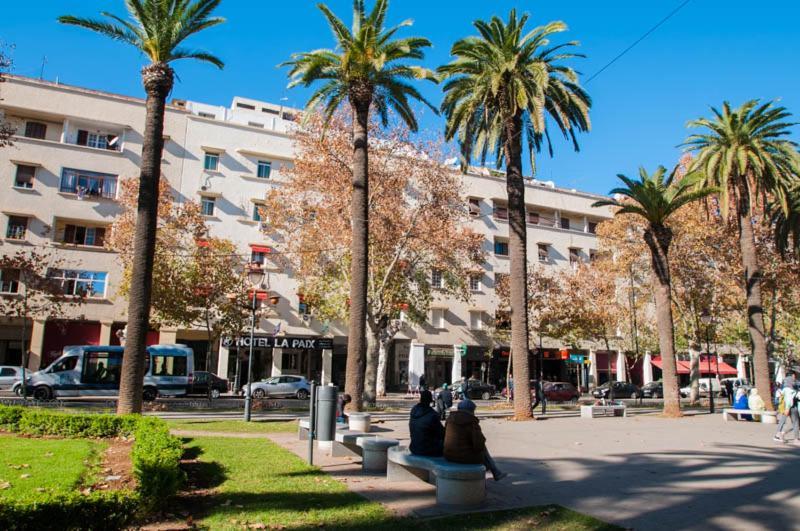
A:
[790,399]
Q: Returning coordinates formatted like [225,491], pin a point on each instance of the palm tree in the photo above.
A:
[787,223]
[366,70]
[157,28]
[655,198]
[502,86]
[744,153]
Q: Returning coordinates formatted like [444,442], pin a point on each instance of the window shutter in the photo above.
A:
[83,137]
[69,234]
[99,236]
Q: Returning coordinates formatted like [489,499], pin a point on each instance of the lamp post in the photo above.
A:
[706,319]
[255,275]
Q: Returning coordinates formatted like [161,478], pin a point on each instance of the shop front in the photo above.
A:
[274,356]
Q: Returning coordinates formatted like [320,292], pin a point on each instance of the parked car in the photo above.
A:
[653,390]
[559,392]
[94,370]
[208,384]
[477,389]
[9,376]
[718,389]
[281,386]
[621,390]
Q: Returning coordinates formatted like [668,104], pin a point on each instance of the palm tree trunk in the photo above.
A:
[357,333]
[658,239]
[755,311]
[157,79]
[518,244]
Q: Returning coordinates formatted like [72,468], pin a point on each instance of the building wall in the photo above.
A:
[242,135]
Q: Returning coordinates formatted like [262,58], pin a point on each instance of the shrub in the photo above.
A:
[9,417]
[43,422]
[156,459]
[98,510]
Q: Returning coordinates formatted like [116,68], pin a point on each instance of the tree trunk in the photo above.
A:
[658,239]
[357,333]
[157,79]
[694,374]
[371,370]
[382,359]
[755,311]
[518,243]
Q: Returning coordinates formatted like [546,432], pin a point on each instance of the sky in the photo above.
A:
[709,52]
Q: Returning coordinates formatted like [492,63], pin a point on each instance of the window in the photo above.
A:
[246,106]
[502,320]
[592,227]
[544,252]
[101,367]
[264,169]
[474,207]
[269,111]
[475,282]
[258,257]
[500,247]
[35,130]
[88,183]
[24,177]
[476,320]
[565,223]
[592,255]
[7,371]
[65,364]
[437,317]
[74,282]
[207,115]
[207,205]
[256,212]
[169,366]
[574,256]
[533,217]
[80,235]
[436,279]
[17,226]
[9,280]
[255,124]
[500,211]
[97,140]
[211,161]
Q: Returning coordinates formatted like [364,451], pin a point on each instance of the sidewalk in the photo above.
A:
[641,472]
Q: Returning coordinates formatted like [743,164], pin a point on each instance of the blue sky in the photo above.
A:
[710,51]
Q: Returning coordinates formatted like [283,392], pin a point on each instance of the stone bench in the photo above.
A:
[303,425]
[456,483]
[373,452]
[591,412]
[767,417]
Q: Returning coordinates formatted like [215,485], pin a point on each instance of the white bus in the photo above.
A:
[95,371]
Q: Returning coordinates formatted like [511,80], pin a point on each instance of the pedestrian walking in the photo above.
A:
[787,409]
[729,391]
[444,401]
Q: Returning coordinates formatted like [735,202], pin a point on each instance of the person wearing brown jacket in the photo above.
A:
[464,441]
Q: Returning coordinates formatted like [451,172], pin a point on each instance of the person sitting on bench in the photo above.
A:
[464,441]
[427,433]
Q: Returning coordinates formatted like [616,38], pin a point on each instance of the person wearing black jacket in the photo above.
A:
[444,401]
[427,432]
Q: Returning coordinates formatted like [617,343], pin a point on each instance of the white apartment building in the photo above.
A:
[59,184]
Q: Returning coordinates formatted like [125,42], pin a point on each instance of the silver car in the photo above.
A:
[282,386]
[9,377]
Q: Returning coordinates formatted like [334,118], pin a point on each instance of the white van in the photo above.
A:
[95,371]
[704,382]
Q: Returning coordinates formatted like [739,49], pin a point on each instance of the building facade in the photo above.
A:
[60,182]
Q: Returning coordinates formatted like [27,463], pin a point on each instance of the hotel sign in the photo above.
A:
[316,343]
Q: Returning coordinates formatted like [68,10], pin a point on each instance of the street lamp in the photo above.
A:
[706,319]
[255,275]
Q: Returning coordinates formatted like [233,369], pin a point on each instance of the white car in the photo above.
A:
[9,376]
[281,386]
[715,385]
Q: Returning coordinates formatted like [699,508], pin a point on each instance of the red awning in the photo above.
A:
[685,367]
[261,248]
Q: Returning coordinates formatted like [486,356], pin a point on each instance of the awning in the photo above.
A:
[261,249]
[685,367]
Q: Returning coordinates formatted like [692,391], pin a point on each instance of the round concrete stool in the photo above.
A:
[373,456]
[359,422]
[460,484]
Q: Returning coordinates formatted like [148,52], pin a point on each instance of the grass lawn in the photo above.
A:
[233,426]
[256,483]
[55,465]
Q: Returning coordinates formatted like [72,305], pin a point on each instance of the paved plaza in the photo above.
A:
[640,472]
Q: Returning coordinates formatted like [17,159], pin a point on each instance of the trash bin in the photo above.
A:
[327,396]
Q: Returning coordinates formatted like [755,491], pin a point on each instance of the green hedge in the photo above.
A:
[156,465]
